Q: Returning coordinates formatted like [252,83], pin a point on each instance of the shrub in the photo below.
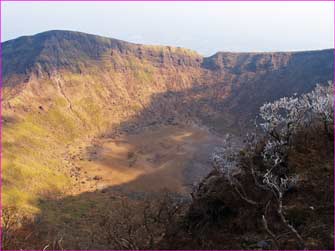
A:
[281,121]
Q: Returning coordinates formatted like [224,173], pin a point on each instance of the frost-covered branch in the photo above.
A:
[225,159]
[282,117]
[281,121]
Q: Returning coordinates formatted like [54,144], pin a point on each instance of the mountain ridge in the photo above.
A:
[52,50]
[60,89]
[59,31]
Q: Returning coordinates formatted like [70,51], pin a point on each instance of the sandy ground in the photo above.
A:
[165,158]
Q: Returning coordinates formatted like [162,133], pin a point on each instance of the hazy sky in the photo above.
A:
[206,27]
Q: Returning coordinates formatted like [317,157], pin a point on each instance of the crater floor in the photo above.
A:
[169,158]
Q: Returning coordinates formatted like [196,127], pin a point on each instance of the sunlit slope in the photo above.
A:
[56,108]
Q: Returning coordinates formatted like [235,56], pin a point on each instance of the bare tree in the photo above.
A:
[141,224]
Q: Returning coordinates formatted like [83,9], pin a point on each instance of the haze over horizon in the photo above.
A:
[204,27]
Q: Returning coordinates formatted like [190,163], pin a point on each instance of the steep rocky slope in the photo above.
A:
[62,89]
